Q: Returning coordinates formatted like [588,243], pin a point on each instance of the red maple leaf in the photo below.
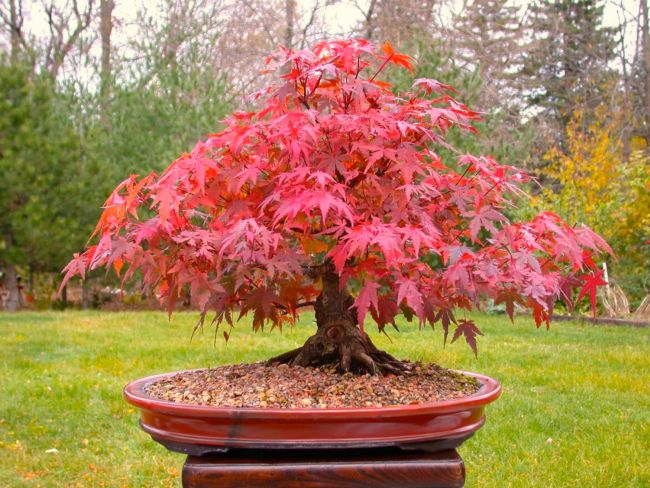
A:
[397,58]
[592,282]
[367,298]
[433,85]
[408,292]
[510,297]
[468,329]
[567,285]
[446,318]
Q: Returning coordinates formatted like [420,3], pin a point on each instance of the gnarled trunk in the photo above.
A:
[338,340]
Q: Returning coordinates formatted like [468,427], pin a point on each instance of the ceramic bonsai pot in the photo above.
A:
[198,430]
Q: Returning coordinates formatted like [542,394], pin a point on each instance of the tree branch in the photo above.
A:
[59,46]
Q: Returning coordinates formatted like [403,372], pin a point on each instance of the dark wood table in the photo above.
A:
[336,468]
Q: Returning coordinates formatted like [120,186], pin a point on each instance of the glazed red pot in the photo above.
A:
[199,429]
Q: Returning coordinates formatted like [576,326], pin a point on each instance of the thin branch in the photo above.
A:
[59,46]
[309,23]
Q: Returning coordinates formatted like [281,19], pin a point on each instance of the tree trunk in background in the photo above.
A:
[628,111]
[565,110]
[16,24]
[646,66]
[14,299]
[85,294]
[105,29]
[291,15]
[64,296]
[370,19]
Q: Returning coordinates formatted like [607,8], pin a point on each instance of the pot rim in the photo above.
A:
[134,393]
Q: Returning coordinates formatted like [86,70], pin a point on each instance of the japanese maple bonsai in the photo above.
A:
[334,194]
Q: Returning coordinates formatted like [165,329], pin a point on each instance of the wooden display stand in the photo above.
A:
[336,468]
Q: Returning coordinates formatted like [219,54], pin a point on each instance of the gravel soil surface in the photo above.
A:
[260,386]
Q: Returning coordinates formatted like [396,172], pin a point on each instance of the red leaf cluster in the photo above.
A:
[335,166]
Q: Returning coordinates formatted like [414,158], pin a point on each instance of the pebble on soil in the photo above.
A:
[259,385]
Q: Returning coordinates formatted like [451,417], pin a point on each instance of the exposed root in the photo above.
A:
[286,357]
[343,346]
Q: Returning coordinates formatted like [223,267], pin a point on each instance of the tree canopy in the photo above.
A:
[336,168]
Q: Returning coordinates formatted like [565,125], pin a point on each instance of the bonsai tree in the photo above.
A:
[334,194]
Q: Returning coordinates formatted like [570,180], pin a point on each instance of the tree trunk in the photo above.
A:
[646,65]
[370,19]
[85,294]
[14,300]
[338,340]
[290,8]
[30,281]
[15,26]
[106,28]
[628,111]
[64,297]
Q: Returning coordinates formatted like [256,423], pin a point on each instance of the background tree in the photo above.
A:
[567,65]
[499,135]
[38,151]
[487,38]
[173,96]
[591,182]
[400,21]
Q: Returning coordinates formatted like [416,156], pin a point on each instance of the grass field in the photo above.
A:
[575,409]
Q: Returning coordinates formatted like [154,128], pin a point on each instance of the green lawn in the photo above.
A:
[575,409]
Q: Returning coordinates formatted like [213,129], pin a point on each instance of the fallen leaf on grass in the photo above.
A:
[30,475]
[16,446]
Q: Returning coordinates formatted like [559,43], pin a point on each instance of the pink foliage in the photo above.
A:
[335,166]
